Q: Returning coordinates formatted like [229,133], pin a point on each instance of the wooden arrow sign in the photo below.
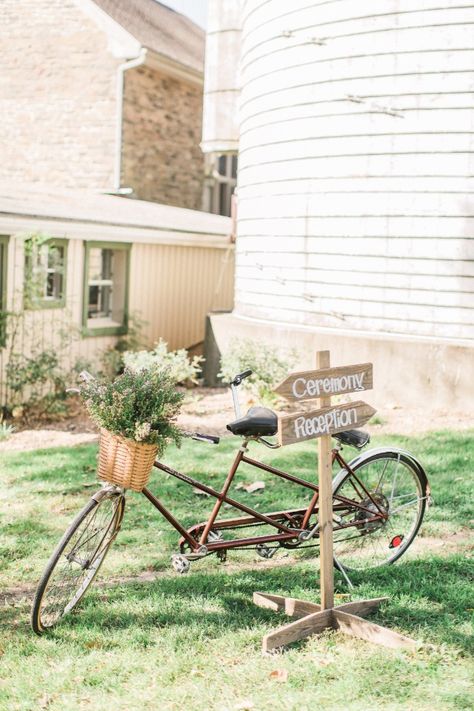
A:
[310,384]
[299,426]
[322,423]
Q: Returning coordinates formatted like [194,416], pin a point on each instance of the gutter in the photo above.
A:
[122,68]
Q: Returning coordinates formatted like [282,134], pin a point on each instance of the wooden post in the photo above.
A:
[325,502]
[310,617]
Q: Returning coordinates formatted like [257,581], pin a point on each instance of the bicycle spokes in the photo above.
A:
[388,502]
[79,559]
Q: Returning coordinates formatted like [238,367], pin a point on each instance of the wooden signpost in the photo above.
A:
[325,421]
[321,423]
[310,384]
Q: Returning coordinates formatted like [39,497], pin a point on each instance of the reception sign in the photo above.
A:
[299,426]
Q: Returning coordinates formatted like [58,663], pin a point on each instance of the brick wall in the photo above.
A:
[161,158]
[57,96]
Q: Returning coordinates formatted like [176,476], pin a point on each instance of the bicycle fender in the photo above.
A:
[383,450]
[105,491]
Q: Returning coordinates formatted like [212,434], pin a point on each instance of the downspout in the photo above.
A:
[122,68]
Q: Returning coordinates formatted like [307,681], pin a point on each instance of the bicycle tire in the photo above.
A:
[371,545]
[96,527]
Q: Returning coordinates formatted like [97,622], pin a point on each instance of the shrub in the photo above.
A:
[38,383]
[269,366]
[112,360]
[178,364]
[37,376]
[6,431]
[140,405]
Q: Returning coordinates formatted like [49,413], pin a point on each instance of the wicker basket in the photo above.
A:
[124,462]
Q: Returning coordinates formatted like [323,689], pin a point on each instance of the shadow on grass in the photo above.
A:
[429,600]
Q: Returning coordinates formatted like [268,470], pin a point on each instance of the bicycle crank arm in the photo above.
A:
[308,535]
[201,552]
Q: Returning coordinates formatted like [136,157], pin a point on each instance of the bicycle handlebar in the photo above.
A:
[241,376]
[210,439]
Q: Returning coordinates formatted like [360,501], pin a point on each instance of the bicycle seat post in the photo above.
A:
[234,385]
[235,398]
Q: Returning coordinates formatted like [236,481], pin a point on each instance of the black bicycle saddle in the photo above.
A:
[258,422]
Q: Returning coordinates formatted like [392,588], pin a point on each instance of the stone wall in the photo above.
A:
[162,121]
[57,96]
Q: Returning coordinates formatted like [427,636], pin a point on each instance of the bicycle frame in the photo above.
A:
[289,524]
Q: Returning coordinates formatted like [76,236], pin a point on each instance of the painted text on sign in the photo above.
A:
[324,424]
[306,385]
[307,388]
[299,426]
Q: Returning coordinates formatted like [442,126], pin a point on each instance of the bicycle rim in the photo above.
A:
[76,561]
[395,484]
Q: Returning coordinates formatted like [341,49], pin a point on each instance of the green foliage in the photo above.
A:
[144,638]
[140,405]
[37,383]
[177,363]
[269,366]
[112,360]
[37,376]
[6,431]
[376,420]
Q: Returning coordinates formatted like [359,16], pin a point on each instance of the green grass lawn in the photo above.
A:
[193,642]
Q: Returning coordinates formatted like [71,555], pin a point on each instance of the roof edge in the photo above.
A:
[124,45]
[177,70]
[121,43]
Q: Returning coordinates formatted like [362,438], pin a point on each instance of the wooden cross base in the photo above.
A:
[311,619]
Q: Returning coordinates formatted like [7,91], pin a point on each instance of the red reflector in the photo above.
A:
[395,542]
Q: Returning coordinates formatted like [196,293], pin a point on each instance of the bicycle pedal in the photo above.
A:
[180,564]
[265,551]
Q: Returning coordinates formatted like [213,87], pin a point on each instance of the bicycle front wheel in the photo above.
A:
[77,559]
[398,487]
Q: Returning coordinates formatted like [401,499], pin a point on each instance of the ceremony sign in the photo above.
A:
[321,423]
[331,381]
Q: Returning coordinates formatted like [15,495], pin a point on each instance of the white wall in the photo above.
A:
[356,166]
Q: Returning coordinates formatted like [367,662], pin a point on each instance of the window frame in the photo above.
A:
[4,242]
[220,183]
[41,303]
[119,330]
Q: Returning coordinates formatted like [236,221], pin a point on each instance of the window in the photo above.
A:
[45,273]
[221,183]
[106,288]
[3,289]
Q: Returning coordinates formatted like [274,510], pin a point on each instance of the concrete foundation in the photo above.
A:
[408,372]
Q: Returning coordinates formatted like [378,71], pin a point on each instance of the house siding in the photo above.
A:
[174,287]
[355,166]
[162,123]
[167,293]
[57,96]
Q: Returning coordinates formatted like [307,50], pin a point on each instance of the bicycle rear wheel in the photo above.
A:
[77,559]
[398,485]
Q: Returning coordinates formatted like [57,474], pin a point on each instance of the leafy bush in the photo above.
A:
[140,405]
[269,366]
[37,383]
[112,360]
[178,364]
[37,376]
[6,431]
